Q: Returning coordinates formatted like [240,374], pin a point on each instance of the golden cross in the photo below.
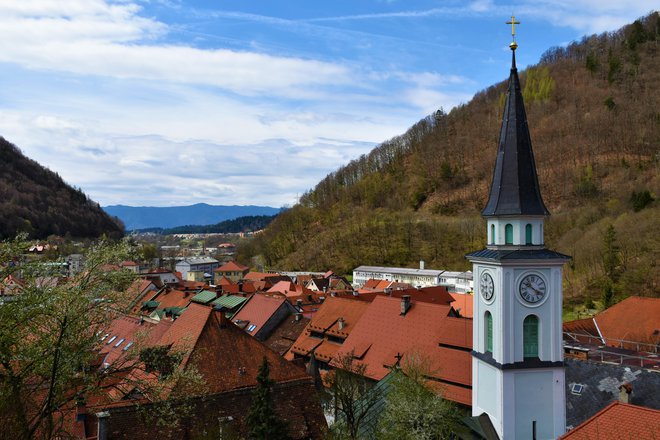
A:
[513,24]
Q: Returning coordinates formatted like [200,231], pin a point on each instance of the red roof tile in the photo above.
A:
[463,304]
[258,310]
[172,298]
[618,421]
[325,321]
[232,266]
[421,330]
[633,319]
[260,276]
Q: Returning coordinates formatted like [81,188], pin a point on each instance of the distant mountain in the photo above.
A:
[36,200]
[248,223]
[142,217]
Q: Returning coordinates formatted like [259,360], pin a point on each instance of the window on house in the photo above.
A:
[111,339]
[488,319]
[492,234]
[127,346]
[508,234]
[119,343]
[528,234]
[531,337]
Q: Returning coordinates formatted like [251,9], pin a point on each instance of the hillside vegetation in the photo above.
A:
[36,200]
[594,113]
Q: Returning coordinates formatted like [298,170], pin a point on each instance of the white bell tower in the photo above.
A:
[517,368]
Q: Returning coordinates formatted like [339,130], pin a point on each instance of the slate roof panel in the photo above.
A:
[600,386]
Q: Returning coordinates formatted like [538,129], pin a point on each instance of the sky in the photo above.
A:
[252,102]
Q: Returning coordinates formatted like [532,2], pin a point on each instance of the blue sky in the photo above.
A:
[173,102]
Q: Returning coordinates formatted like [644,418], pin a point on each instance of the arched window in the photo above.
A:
[488,321]
[531,337]
[508,234]
[492,234]
[528,234]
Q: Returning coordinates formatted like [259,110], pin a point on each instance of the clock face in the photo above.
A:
[532,288]
[486,286]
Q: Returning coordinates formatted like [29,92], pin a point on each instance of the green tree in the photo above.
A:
[353,394]
[414,411]
[611,254]
[48,336]
[262,421]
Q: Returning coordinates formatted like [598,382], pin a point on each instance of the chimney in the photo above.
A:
[421,264]
[299,302]
[102,420]
[341,323]
[405,304]
[624,392]
[298,316]
[387,291]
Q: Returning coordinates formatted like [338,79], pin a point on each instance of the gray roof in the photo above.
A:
[600,387]
[518,254]
[515,187]
[199,260]
[399,270]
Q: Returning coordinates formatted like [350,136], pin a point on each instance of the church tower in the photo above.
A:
[517,357]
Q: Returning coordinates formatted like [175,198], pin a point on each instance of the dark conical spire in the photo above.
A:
[515,186]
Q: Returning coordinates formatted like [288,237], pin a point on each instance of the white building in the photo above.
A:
[460,282]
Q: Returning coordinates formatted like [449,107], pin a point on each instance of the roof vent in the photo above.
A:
[341,323]
[298,316]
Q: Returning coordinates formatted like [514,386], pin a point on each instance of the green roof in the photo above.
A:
[204,297]
[150,304]
[229,301]
[174,310]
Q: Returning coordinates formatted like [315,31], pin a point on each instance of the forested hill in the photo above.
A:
[36,200]
[594,114]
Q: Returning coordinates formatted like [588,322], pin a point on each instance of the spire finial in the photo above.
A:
[513,24]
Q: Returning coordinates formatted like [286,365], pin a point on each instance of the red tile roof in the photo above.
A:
[633,319]
[463,304]
[232,266]
[224,281]
[260,276]
[171,298]
[325,321]
[618,421]
[258,310]
[421,330]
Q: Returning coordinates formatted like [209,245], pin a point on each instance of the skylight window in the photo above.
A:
[111,339]
[577,388]
[251,328]
[105,336]
[127,346]
[119,343]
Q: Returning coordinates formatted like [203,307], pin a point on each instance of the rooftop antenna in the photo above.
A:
[513,24]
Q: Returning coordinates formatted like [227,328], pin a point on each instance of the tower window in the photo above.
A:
[531,337]
[528,234]
[488,320]
[492,234]
[508,234]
